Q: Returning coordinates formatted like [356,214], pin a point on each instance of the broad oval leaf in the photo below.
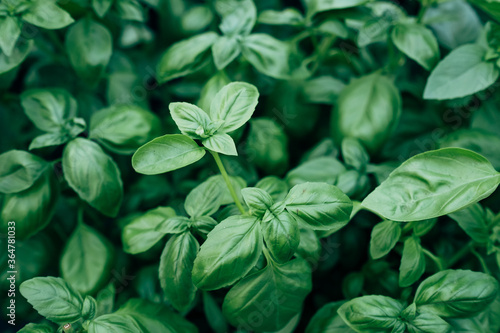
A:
[37,328]
[176,264]
[275,294]
[19,170]
[191,120]
[461,73]
[220,264]
[274,186]
[417,42]
[224,51]
[327,320]
[474,221]
[19,53]
[384,237]
[83,160]
[113,323]
[320,206]
[432,184]
[412,262]
[456,293]
[47,15]
[166,153]
[282,236]
[257,200]
[53,298]
[221,143]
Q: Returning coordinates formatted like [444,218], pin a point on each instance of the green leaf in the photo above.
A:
[456,293]
[49,140]
[234,105]
[417,42]
[262,293]
[320,206]
[191,120]
[371,313]
[225,50]
[10,31]
[327,320]
[287,16]
[48,109]
[176,264]
[474,221]
[114,323]
[273,57]
[412,262]
[214,315]
[238,17]
[384,237]
[427,323]
[211,88]
[185,57]
[19,53]
[322,89]
[222,264]
[282,236]
[89,46]
[436,183]
[53,298]
[368,110]
[221,143]
[122,129]
[275,187]
[83,160]
[37,328]
[257,200]
[101,7]
[461,73]
[19,170]
[166,153]
[140,234]
[321,169]
[317,6]
[47,15]
[86,260]
[203,225]
[354,154]
[130,10]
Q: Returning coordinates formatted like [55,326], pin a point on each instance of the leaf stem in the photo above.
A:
[460,254]
[227,180]
[481,260]
[421,13]
[437,260]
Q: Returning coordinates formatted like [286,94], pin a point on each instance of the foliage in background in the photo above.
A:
[350,183]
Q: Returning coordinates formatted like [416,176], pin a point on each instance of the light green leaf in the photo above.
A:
[221,143]
[261,293]
[316,6]
[83,160]
[276,187]
[53,298]
[384,237]
[321,169]
[37,328]
[354,154]
[19,53]
[166,153]
[114,323]
[122,129]
[101,7]
[220,264]
[238,17]
[176,264]
[214,315]
[412,262]
[49,140]
[427,323]
[191,120]
[287,16]
[47,14]
[322,89]
[86,260]
[173,225]
[211,88]
[327,320]
[417,42]
[140,234]
[371,313]
[19,170]
[257,200]
[282,235]
[473,220]
[456,293]
[10,31]
[436,183]
[461,73]
[224,51]
[320,206]
[234,105]
[185,57]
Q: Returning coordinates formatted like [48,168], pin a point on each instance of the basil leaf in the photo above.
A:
[385,235]
[203,225]
[221,143]
[53,298]
[221,264]
[322,89]
[417,42]
[275,187]
[326,320]
[473,220]
[370,97]
[354,154]
[114,323]
[174,225]
[320,206]
[19,53]
[10,31]
[83,160]
[185,57]
[49,140]
[282,236]
[101,7]
[224,51]
[166,153]
[317,6]
[456,293]
[176,264]
[214,315]
[287,16]
[19,170]
[234,105]
[89,46]
[123,129]
[238,17]
[37,328]
[273,57]
[428,323]
[461,73]
[211,88]
[48,109]
[371,313]
[260,292]
[191,120]
[257,200]
[455,177]
[140,234]
[47,15]
[86,260]
[412,262]
[321,169]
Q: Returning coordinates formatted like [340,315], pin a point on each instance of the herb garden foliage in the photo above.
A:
[186,166]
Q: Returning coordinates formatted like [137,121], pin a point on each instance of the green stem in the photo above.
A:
[421,13]
[460,254]
[437,261]
[228,181]
[481,260]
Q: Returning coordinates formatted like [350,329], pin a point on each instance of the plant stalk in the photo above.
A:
[460,254]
